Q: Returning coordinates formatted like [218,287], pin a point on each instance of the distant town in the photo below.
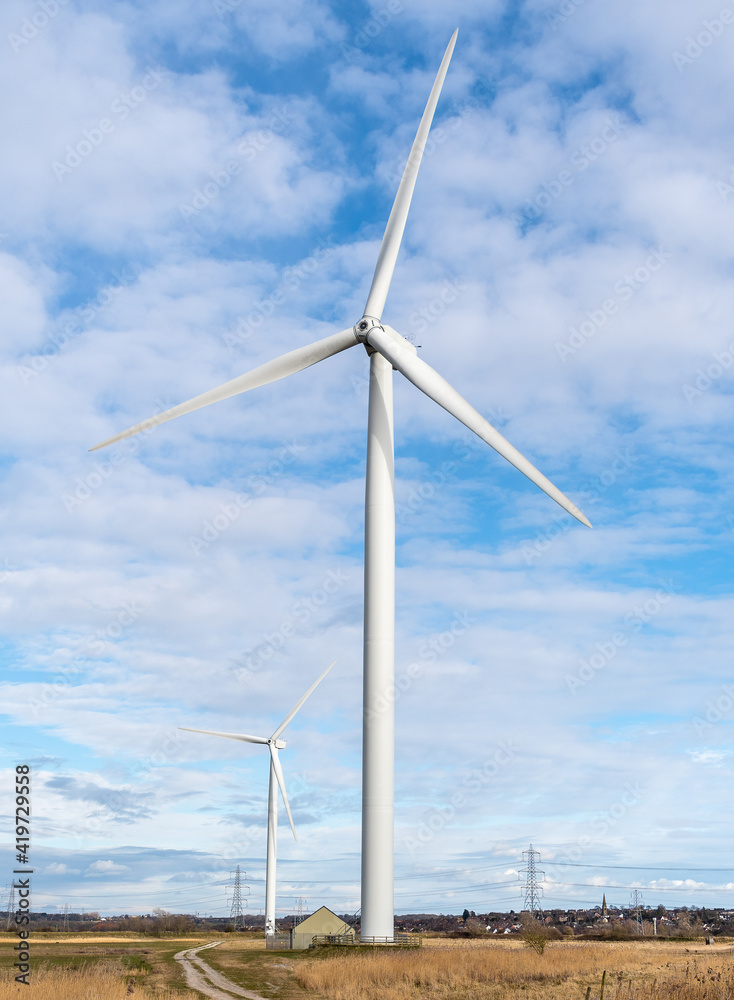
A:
[601,921]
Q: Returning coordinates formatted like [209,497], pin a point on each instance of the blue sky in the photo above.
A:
[194,188]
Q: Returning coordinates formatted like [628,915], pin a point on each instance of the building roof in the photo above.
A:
[323,921]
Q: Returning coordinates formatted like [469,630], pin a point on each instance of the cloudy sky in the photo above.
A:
[192,188]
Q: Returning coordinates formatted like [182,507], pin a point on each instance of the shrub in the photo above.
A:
[535,935]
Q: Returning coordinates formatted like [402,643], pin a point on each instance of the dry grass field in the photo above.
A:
[100,967]
[503,970]
[96,981]
[97,967]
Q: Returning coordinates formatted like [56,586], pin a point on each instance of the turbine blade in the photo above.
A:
[293,711]
[402,356]
[281,784]
[228,736]
[271,371]
[396,223]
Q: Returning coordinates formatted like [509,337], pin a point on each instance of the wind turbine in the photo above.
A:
[387,350]
[274,744]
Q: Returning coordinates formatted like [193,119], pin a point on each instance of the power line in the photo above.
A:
[182,890]
[640,868]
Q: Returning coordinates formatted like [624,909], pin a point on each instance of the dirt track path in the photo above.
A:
[206,980]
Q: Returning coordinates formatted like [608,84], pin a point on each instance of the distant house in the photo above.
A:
[322,923]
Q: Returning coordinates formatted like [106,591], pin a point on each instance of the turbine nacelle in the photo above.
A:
[278,744]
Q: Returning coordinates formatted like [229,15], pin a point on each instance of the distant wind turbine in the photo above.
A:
[274,744]
[387,350]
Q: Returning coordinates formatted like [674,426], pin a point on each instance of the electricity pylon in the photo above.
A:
[635,904]
[236,913]
[11,905]
[300,910]
[533,890]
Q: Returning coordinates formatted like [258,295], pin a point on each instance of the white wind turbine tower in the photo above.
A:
[387,350]
[274,744]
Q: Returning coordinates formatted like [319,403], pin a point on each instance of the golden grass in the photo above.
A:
[96,981]
[495,971]
[231,942]
[70,938]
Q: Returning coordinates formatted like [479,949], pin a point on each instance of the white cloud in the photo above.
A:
[56,868]
[106,868]
[143,592]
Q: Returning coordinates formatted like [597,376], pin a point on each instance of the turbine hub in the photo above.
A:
[278,744]
[365,325]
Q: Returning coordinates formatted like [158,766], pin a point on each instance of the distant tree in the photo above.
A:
[465,916]
[534,934]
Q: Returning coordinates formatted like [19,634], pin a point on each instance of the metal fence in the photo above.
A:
[287,940]
[397,941]
[278,942]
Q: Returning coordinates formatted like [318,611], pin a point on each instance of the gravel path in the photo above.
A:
[206,980]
